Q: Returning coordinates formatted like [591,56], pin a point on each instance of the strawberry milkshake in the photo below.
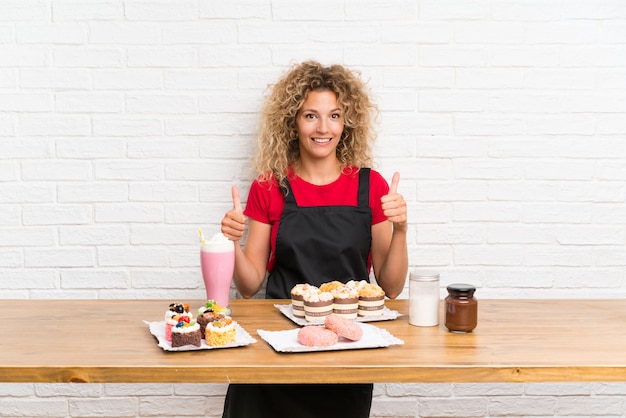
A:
[217,259]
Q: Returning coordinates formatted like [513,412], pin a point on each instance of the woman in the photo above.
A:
[316,213]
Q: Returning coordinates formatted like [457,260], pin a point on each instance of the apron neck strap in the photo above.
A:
[363,196]
[290,199]
[364,187]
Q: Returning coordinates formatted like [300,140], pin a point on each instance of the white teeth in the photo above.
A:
[322,140]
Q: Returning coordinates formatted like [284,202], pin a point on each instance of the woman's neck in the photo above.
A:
[318,172]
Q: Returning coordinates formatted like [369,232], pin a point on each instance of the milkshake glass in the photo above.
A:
[217,259]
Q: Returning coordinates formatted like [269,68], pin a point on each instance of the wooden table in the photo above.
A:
[516,341]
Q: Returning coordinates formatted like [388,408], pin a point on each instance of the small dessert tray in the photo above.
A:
[287,341]
[386,315]
[157,329]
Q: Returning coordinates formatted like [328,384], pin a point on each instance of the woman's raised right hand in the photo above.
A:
[234,222]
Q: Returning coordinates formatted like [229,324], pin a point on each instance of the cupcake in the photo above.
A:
[317,306]
[357,285]
[330,286]
[173,315]
[371,300]
[186,333]
[220,332]
[345,302]
[297,298]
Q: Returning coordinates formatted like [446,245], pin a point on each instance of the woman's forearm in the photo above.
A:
[392,275]
[251,262]
[248,280]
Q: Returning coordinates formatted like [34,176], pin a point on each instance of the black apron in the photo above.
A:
[314,245]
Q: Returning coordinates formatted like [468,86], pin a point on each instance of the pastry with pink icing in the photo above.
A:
[316,336]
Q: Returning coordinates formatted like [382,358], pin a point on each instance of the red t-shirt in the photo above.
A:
[266,202]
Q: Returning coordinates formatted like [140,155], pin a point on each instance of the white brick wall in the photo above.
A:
[123,124]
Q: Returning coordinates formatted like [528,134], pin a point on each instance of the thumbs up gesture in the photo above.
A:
[236,199]
[234,221]
[394,206]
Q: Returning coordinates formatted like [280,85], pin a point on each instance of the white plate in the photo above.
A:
[158,330]
[287,341]
[386,315]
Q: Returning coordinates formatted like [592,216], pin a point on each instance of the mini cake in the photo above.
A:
[186,333]
[297,298]
[220,332]
[209,313]
[317,306]
[173,315]
[345,302]
[371,300]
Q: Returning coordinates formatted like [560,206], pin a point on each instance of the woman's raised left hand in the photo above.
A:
[394,206]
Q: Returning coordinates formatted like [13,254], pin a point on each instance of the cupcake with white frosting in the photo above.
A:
[371,300]
[297,298]
[345,302]
[317,306]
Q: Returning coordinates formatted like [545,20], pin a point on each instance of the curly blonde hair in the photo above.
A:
[277,144]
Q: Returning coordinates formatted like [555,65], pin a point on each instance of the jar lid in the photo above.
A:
[461,287]
[424,275]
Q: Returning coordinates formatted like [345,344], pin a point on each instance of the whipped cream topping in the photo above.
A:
[218,243]
[187,328]
[318,296]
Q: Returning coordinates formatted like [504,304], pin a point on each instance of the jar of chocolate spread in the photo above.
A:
[461,308]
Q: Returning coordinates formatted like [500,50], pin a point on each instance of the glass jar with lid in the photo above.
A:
[424,298]
[461,308]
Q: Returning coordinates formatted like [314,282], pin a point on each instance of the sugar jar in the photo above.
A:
[424,298]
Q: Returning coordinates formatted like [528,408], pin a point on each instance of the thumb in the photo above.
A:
[236,199]
[394,183]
